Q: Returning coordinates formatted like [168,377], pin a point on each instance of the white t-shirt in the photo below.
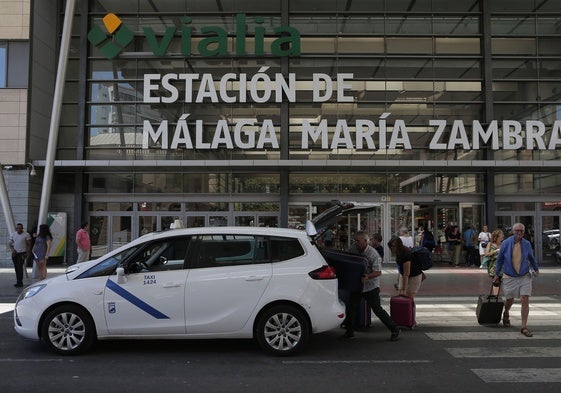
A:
[484,237]
[19,241]
[407,241]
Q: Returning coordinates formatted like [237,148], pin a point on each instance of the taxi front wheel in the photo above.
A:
[68,330]
[282,330]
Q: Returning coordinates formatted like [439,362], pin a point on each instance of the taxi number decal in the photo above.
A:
[149,279]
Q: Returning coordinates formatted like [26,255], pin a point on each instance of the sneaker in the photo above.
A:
[395,335]
[348,335]
[18,285]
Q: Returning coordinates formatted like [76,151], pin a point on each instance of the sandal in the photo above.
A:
[526,332]
[506,321]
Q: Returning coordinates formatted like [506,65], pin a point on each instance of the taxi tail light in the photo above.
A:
[323,273]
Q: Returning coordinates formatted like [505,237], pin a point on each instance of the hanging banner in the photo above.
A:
[57,226]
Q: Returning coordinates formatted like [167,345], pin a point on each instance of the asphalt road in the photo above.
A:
[447,352]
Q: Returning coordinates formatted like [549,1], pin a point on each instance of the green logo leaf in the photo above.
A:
[111,44]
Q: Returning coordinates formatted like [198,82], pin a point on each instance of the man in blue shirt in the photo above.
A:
[516,260]
[469,245]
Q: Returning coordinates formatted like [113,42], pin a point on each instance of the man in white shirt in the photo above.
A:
[484,238]
[20,245]
[406,239]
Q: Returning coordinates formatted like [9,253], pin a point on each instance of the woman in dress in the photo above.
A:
[41,249]
[491,253]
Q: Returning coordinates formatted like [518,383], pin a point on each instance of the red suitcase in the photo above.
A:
[402,311]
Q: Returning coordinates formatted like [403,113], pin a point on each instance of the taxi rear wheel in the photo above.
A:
[68,330]
[282,330]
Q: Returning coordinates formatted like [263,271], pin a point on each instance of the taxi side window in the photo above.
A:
[168,254]
[285,248]
[228,250]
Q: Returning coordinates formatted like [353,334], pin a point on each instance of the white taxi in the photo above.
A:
[270,284]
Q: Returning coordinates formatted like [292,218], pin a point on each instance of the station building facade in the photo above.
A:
[265,112]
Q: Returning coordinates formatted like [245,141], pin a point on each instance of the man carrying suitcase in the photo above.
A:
[371,288]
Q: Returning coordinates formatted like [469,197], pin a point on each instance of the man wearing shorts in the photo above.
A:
[514,260]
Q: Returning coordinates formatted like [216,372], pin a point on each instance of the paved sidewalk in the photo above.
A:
[8,279]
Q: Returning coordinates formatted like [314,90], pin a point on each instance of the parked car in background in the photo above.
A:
[551,239]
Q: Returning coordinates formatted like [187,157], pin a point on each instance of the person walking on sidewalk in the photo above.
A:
[517,262]
[20,244]
[371,288]
[42,248]
[83,243]
[483,238]
[454,238]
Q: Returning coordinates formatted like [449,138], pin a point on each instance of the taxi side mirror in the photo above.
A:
[121,278]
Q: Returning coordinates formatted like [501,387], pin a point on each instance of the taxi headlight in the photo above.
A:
[31,291]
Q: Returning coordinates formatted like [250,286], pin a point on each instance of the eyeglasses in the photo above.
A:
[518,230]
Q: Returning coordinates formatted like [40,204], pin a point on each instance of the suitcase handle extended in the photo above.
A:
[491,291]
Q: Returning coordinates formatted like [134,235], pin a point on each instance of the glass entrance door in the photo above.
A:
[550,237]
[400,216]
[508,219]
[109,231]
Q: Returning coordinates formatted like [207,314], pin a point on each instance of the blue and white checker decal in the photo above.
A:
[135,300]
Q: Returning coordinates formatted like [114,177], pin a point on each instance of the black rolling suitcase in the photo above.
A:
[350,269]
[363,320]
[489,308]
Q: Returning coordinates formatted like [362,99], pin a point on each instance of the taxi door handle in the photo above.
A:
[172,285]
[254,278]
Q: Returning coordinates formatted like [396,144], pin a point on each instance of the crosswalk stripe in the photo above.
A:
[519,375]
[484,335]
[512,352]
[473,299]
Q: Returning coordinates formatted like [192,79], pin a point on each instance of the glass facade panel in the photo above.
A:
[176,183]
[409,46]
[464,69]
[548,25]
[513,46]
[519,25]
[515,69]
[501,6]
[550,68]
[515,91]
[451,25]
[549,46]
[459,46]
[408,25]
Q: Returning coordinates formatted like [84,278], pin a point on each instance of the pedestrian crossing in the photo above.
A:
[459,311]
[451,322]
[6,307]
[519,375]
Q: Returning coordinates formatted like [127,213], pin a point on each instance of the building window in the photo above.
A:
[3,58]
[14,64]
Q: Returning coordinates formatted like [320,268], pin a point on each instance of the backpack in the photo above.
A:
[422,257]
[428,241]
